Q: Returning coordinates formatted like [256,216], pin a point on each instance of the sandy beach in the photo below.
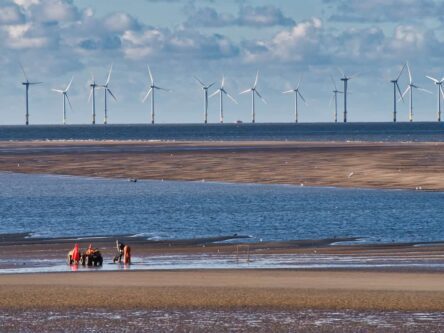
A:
[343,164]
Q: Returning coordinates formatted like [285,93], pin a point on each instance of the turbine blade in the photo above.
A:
[69,84]
[223,82]
[209,86]
[425,90]
[112,94]
[288,91]
[400,73]
[399,90]
[442,92]
[146,96]
[260,96]
[331,100]
[69,102]
[23,71]
[257,78]
[230,97]
[433,79]
[90,94]
[201,83]
[215,93]
[151,75]
[299,83]
[410,73]
[245,91]
[405,92]
[333,81]
[109,75]
[341,72]
[57,90]
[34,83]
[159,88]
[302,97]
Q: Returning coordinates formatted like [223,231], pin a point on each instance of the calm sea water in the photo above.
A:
[61,206]
[301,132]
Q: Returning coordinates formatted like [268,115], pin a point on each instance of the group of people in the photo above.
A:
[75,256]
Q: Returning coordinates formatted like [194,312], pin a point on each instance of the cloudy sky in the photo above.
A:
[58,39]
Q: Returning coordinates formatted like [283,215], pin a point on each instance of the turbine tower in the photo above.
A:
[107,90]
[335,98]
[65,97]
[254,92]
[221,91]
[297,94]
[152,87]
[440,92]
[205,88]
[345,79]
[410,87]
[92,94]
[396,90]
[27,84]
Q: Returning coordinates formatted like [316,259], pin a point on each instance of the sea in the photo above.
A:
[375,132]
[58,206]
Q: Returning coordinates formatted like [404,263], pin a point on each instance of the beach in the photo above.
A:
[394,165]
[227,281]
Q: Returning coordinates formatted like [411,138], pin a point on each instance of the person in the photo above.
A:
[74,255]
[123,251]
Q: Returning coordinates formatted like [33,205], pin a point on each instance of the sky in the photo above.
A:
[284,40]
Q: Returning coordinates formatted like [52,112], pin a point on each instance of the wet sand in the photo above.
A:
[225,289]
[343,164]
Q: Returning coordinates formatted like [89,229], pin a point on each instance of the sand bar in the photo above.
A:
[343,164]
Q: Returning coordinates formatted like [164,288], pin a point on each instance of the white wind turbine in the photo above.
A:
[345,79]
[440,92]
[107,90]
[92,94]
[152,87]
[335,98]
[65,97]
[221,91]
[205,88]
[410,87]
[297,94]
[254,92]
[27,84]
[396,90]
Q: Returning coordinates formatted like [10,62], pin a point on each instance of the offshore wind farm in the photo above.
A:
[221,91]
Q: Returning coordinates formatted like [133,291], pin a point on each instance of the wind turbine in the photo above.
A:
[221,91]
[396,90]
[205,88]
[410,87]
[153,87]
[296,94]
[92,94]
[345,79]
[440,92]
[254,92]
[335,97]
[27,84]
[65,97]
[107,90]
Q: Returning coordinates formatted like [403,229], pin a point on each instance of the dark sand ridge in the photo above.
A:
[374,165]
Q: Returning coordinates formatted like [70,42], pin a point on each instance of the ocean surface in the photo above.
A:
[430,131]
[51,206]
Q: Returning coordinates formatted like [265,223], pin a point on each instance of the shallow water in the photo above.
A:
[238,260]
[50,206]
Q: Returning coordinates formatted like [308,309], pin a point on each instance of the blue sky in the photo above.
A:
[58,39]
